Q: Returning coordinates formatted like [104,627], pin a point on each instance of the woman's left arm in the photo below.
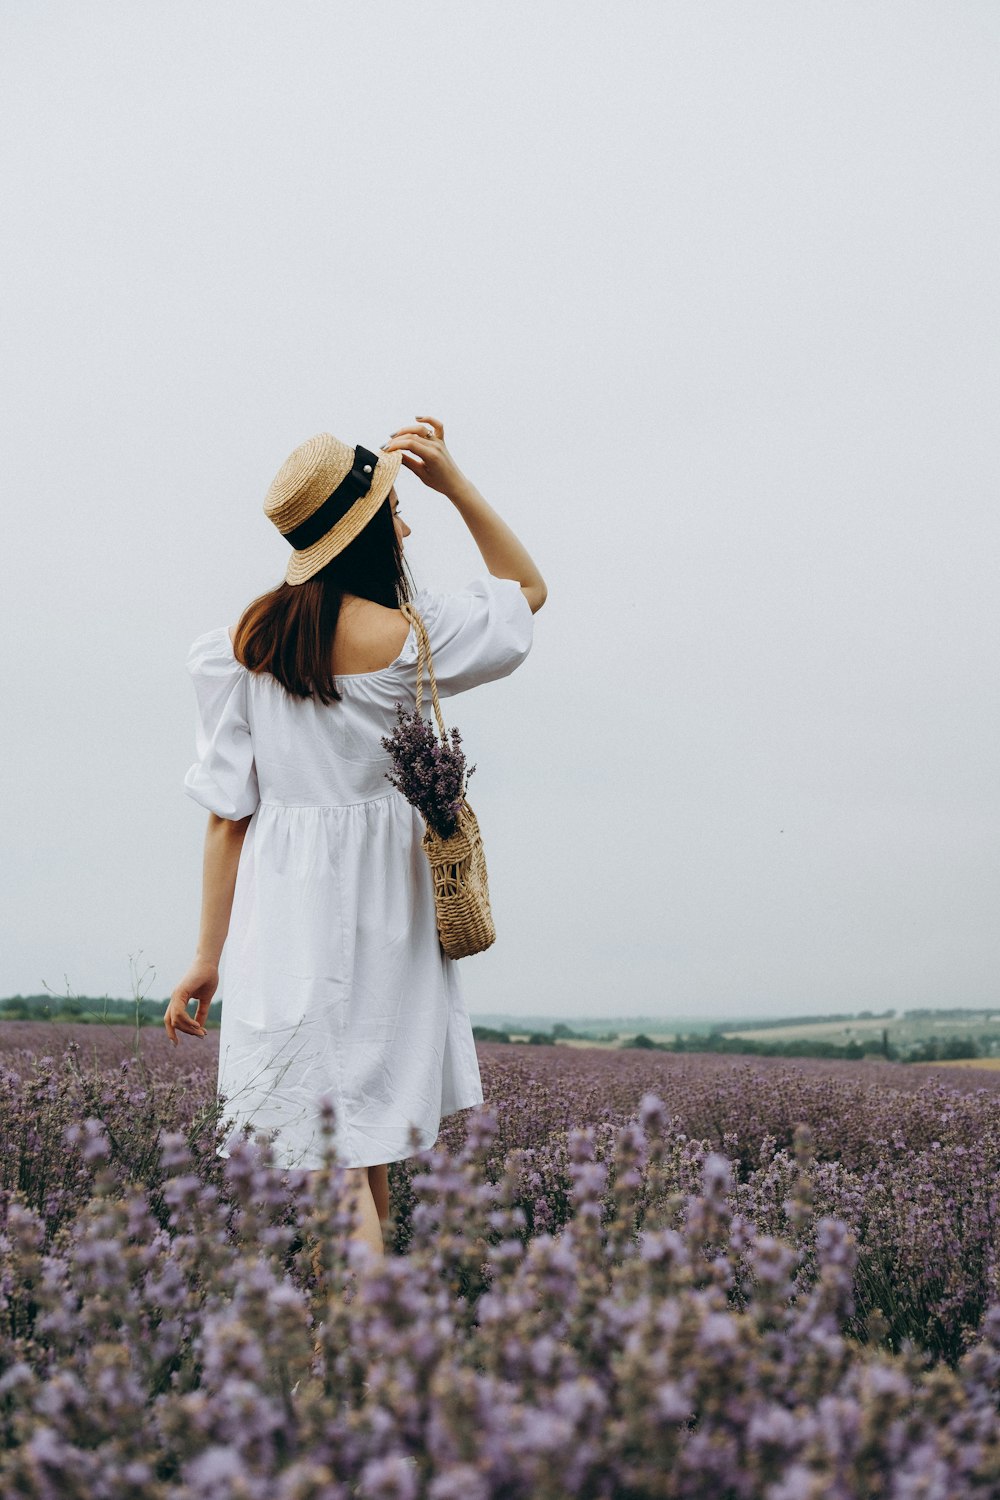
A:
[223,844]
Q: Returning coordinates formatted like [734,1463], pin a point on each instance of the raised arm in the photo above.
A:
[504,555]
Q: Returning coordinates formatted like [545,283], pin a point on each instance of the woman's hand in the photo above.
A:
[223,847]
[424,453]
[199,983]
[499,548]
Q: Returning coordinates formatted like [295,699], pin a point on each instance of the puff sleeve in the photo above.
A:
[224,777]
[476,635]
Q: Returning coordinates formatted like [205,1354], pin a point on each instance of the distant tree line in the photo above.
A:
[146,1012]
[797,1047]
[933,1049]
[955,1011]
[89,1009]
[560,1032]
[949,1048]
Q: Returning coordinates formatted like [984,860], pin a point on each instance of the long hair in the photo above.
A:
[289,631]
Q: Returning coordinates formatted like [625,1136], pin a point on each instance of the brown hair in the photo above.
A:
[289,631]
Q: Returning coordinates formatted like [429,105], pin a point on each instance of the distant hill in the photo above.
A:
[585,1025]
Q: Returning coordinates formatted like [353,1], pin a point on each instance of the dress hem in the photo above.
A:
[383,1161]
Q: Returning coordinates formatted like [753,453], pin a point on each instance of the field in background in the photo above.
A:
[934,1037]
[990,1064]
[903,1030]
[831,1031]
[915,1036]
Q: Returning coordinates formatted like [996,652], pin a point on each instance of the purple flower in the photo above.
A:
[462,1482]
[391,1478]
[431,775]
[91,1137]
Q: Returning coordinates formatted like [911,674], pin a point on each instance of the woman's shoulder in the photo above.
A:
[485,603]
[477,633]
[484,592]
[212,652]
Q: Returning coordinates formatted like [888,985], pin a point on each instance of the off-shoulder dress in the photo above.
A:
[332,978]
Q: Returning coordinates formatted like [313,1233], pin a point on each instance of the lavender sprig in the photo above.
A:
[431,776]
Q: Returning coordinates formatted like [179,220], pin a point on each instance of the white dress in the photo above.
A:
[333,978]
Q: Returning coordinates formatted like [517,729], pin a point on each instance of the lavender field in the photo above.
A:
[629,1274]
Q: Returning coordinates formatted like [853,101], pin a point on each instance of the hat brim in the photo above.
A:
[302,565]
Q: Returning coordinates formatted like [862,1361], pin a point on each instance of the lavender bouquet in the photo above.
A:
[431,775]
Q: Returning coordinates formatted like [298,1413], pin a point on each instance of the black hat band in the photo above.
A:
[357,483]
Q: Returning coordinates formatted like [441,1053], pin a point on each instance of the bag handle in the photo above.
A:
[424,658]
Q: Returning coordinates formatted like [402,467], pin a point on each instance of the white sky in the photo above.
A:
[706,297]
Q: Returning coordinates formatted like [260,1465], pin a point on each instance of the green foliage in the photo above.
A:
[715,1041]
[83,1009]
[489,1034]
[944,1049]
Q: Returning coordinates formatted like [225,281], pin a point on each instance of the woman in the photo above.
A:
[314,877]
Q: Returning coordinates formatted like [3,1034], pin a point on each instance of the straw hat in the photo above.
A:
[323,495]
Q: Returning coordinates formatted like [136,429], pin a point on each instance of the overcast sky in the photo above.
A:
[706,297]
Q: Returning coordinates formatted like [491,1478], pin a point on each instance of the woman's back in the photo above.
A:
[271,747]
[369,637]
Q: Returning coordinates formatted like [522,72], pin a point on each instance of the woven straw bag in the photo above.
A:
[458,864]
